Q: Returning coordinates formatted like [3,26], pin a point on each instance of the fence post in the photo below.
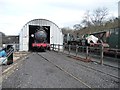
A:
[101,61]
[63,48]
[69,49]
[76,50]
[82,48]
[86,52]
[115,53]
[53,47]
[58,47]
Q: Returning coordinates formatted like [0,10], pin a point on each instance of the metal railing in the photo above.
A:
[10,55]
[86,51]
[9,51]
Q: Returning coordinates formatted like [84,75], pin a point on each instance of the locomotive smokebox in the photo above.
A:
[38,34]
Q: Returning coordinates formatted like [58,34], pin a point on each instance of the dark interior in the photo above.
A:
[33,29]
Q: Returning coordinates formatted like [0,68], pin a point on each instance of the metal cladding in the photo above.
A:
[55,37]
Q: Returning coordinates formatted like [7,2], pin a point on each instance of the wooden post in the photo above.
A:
[86,52]
[53,46]
[63,48]
[101,61]
[69,49]
[76,50]
[58,47]
[83,49]
[115,53]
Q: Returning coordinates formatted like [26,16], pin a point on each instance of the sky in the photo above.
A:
[14,14]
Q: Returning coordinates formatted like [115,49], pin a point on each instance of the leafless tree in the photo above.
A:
[99,15]
[86,19]
[77,27]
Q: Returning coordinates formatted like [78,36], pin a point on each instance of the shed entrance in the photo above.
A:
[33,29]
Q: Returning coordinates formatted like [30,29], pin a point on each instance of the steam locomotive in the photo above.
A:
[40,42]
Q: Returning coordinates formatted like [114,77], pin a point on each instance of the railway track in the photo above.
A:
[79,78]
[62,69]
[92,68]
[89,67]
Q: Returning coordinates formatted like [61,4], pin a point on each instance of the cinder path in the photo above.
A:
[56,70]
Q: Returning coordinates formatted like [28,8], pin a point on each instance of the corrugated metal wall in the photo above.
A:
[56,36]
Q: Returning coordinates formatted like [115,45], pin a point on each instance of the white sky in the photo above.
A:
[14,14]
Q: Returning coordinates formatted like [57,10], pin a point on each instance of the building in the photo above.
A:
[2,36]
[54,33]
[9,40]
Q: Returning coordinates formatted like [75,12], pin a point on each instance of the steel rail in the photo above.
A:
[62,69]
[89,67]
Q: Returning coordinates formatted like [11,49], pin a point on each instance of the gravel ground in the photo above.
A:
[93,78]
[16,57]
[36,72]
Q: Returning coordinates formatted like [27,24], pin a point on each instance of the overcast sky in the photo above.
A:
[14,14]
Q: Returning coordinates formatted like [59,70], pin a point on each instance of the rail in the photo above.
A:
[87,51]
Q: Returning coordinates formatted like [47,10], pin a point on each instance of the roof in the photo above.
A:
[39,20]
[11,39]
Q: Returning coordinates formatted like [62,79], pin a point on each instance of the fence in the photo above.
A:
[87,52]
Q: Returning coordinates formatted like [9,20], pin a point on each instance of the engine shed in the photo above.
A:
[54,33]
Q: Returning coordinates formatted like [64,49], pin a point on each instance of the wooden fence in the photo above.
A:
[86,51]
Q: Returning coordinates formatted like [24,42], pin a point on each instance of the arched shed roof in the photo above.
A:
[40,20]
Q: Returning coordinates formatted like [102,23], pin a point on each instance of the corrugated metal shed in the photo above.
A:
[56,36]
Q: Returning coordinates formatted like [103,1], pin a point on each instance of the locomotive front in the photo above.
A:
[40,42]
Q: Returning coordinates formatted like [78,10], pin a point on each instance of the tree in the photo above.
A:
[86,19]
[99,15]
[66,29]
[77,27]
[96,18]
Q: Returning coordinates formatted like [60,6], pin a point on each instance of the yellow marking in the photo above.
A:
[6,70]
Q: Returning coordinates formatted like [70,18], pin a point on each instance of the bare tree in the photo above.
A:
[86,19]
[77,27]
[96,18]
[99,16]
